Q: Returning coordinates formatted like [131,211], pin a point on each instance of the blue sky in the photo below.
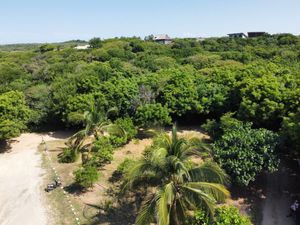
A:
[23,21]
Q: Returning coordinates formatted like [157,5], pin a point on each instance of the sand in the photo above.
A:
[21,177]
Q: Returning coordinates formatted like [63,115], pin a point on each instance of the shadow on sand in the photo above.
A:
[121,213]
[274,187]
[5,146]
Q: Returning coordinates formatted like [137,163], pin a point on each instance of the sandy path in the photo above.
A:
[278,201]
[20,182]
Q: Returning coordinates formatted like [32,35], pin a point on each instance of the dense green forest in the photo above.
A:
[189,81]
[245,93]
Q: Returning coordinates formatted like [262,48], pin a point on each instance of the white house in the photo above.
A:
[82,47]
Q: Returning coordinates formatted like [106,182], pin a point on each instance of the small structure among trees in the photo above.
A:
[237,35]
[255,34]
[249,35]
[163,39]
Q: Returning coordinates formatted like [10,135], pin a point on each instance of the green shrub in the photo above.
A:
[230,215]
[244,152]
[102,152]
[152,115]
[127,125]
[86,176]
[200,218]
[224,215]
[291,130]
[101,144]
[68,155]
[117,141]
[212,128]
[125,166]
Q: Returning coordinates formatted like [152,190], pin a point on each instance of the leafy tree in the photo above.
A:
[179,92]
[10,129]
[14,114]
[201,61]
[39,101]
[95,43]
[244,152]
[179,184]
[47,48]
[77,105]
[152,115]
[120,93]
[9,72]
[291,129]
[262,101]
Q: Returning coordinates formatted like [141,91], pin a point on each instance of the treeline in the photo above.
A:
[256,79]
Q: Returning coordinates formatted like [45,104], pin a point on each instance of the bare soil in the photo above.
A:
[282,189]
[21,177]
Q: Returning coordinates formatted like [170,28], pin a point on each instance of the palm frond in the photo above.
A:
[146,214]
[143,171]
[114,129]
[209,172]
[164,202]
[197,198]
[111,111]
[197,147]
[217,191]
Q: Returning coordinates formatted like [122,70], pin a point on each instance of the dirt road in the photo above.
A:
[20,182]
[279,195]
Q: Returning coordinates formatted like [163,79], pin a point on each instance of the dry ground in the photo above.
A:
[21,178]
[20,182]
[94,204]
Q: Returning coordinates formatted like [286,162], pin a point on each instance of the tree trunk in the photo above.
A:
[174,217]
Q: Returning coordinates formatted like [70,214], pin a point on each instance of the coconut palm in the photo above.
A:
[176,185]
[96,124]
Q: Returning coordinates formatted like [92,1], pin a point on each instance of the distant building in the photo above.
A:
[237,35]
[82,47]
[162,39]
[255,34]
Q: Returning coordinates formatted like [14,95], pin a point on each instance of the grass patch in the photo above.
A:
[58,205]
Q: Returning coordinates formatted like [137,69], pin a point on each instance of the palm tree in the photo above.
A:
[96,124]
[178,186]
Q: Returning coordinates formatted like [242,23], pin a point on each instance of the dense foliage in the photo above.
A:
[242,151]
[120,84]
[224,215]
[153,84]
[86,176]
[229,215]
[14,114]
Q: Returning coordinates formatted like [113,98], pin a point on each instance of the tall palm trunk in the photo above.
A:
[174,217]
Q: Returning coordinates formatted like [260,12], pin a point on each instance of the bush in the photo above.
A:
[102,152]
[86,176]
[244,152]
[117,141]
[125,165]
[291,130]
[230,215]
[69,155]
[101,144]
[212,128]
[127,125]
[200,218]
[152,115]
